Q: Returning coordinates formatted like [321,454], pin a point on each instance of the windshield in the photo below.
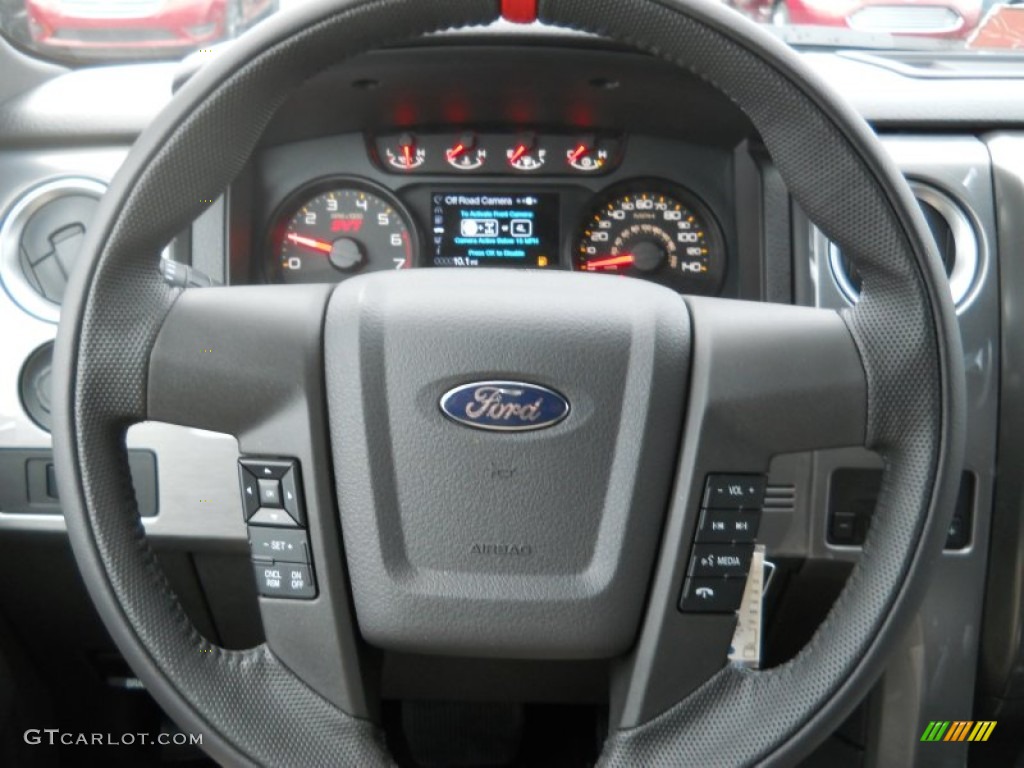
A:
[106,30]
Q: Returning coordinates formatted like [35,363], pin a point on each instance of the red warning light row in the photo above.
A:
[469,152]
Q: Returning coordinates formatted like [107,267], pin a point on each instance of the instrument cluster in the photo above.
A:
[649,228]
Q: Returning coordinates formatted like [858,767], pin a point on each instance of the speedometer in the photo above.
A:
[656,232]
[341,228]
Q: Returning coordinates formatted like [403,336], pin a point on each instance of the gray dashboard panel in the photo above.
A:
[886,97]
[46,115]
[22,72]
[1001,672]
[97,105]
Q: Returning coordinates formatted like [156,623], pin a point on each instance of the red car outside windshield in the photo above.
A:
[133,24]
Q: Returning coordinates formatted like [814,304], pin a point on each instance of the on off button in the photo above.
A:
[293,580]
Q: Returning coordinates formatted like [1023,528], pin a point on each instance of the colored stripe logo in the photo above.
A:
[958,730]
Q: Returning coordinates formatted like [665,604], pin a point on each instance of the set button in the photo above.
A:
[284,544]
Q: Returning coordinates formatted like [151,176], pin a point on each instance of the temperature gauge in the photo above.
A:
[406,155]
[524,155]
[465,155]
[586,156]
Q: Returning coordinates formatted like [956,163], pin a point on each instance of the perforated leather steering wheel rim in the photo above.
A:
[250,706]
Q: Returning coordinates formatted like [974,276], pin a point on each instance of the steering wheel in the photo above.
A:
[343,385]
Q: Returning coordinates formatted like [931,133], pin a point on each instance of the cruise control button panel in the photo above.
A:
[275,516]
[730,516]
[293,580]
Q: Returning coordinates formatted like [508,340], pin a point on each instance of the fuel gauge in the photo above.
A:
[525,155]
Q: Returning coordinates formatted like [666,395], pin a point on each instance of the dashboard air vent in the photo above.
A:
[40,239]
[956,240]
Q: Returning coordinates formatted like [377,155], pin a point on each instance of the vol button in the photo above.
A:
[734,492]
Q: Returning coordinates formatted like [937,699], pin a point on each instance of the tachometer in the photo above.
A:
[339,229]
[655,232]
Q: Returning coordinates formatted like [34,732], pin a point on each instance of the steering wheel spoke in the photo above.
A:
[236,360]
[769,379]
[249,362]
[764,380]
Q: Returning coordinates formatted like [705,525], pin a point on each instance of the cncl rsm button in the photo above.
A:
[292,580]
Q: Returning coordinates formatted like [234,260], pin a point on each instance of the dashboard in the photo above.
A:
[634,206]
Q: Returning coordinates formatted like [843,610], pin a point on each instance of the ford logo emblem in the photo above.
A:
[504,406]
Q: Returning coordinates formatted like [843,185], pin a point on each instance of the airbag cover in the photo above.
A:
[534,543]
